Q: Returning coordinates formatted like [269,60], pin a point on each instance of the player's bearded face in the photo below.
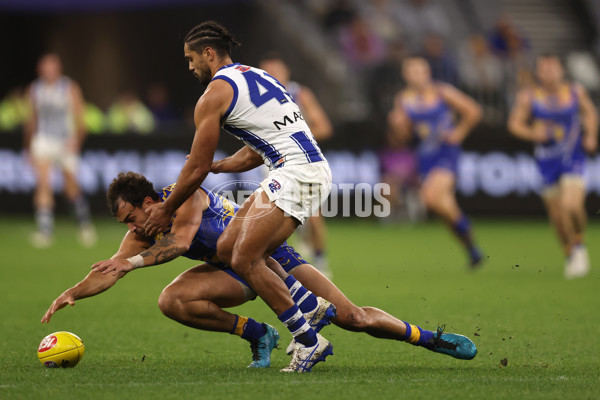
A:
[197,65]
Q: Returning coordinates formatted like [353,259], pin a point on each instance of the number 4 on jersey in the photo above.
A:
[262,90]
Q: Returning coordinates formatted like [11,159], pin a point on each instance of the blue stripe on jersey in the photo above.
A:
[255,141]
[312,153]
[235,94]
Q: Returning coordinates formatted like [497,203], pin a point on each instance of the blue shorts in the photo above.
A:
[285,255]
[552,169]
[445,157]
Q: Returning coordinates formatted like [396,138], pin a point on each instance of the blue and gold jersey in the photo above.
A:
[430,116]
[215,219]
[559,113]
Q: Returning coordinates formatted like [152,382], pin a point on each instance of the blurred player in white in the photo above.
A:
[54,134]
[562,122]
[315,233]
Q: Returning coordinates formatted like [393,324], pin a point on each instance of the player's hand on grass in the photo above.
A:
[115,266]
[60,302]
[158,219]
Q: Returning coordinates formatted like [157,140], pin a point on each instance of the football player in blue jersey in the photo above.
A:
[561,120]
[197,297]
[426,110]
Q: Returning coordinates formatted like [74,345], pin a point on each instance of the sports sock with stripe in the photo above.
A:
[304,298]
[416,335]
[292,318]
[247,328]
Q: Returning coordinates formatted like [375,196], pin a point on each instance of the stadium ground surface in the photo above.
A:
[518,308]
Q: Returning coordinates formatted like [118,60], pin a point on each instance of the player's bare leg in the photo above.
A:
[572,202]
[439,196]
[553,208]
[87,233]
[196,298]
[43,201]
[318,238]
[374,321]
[246,244]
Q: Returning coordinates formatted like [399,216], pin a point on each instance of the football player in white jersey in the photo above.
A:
[54,134]
[314,236]
[257,109]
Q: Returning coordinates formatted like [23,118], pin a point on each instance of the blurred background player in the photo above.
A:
[425,108]
[562,122]
[54,134]
[314,235]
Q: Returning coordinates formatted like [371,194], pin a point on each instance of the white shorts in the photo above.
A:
[299,190]
[44,148]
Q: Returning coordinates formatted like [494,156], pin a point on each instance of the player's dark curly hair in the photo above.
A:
[211,34]
[129,187]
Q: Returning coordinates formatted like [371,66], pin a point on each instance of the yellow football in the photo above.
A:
[60,349]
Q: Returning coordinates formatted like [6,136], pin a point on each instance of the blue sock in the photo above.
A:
[462,227]
[253,330]
[302,332]
[304,298]
[416,335]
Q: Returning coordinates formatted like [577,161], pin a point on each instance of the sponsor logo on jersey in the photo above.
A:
[274,186]
[279,163]
[47,343]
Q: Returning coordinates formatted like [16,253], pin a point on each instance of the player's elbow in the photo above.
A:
[476,113]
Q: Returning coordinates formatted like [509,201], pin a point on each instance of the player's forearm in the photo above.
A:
[590,124]
[521,131]
[190,178]
[243,160]
[93,284]
[165,250]
[469,120]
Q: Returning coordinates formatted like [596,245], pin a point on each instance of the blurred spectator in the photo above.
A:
[128,113]
[443,66]
[506,40]
[383,17]
[361,47]
[386,79]
[159,103]
[13,110]
[420,18]
[340,14]
[479,68]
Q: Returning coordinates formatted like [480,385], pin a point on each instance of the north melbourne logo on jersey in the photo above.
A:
[274,186]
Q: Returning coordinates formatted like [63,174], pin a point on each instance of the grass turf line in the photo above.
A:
[519,306]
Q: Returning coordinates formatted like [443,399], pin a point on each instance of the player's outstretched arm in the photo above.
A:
[171,246]
[589,120]
[207,116]
[470,112]
[243,160]
[95,282]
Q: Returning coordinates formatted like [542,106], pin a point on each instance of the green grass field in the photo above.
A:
[518,308]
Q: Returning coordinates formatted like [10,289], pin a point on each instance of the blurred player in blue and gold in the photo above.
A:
[426,109]
[562,122]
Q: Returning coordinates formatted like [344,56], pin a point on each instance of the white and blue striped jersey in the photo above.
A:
[264,115]
[54,109]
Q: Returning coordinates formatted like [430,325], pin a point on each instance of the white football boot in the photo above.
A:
[304,358]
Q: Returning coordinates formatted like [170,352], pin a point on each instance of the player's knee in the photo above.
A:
[169,302]
[430,199]
[242,263]
[355,319]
